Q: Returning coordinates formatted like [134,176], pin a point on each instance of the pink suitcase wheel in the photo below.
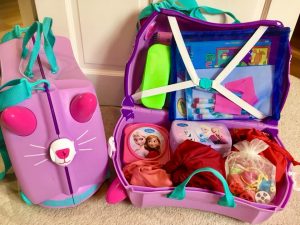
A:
[116,192]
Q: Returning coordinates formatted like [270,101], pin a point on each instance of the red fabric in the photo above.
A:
[275,153]
[190,156]
[152,154]
[147,173]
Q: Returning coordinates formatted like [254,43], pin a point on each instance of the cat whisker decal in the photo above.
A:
[87,141]
[85,149]
[45,160]
[42,154]
[82,135]
[37,146]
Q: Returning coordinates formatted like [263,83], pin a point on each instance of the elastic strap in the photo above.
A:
[18,90]
[227,200]
[163,89]
[216,84]
[206,83]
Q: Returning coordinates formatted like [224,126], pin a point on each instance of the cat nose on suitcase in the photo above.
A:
[62,151]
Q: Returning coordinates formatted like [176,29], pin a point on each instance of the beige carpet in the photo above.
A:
[96,211]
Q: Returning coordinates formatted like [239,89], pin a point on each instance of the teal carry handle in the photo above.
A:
[49,41]
[35,31]
[196,13]
[18,90]
[180,5]
[36,28]
[187,7]
[227,200]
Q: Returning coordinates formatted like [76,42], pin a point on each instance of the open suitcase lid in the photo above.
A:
[158,21]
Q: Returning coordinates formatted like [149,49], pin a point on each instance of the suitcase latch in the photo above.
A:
[111,146]
[127,113]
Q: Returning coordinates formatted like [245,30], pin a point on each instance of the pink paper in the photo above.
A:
[243,86]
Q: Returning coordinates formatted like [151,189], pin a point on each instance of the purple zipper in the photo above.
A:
[69,180]
[257,23]
[272,23]
[166,12]
[48,97]
[53,117]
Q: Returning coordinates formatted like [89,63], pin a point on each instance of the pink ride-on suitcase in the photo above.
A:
[132,113]
[55,138]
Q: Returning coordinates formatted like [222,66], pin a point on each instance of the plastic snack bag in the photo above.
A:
[249,175]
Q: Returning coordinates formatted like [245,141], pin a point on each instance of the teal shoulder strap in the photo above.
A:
[49,40]
[213,11]
[179,5]
[16,32]
[35,31]
[16,91]
[12,93]
[188,7]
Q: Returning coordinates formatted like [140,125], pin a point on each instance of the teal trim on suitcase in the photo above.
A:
[72,201]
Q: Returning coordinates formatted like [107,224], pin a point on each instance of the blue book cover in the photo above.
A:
[215,54]
[262,77]
[211,56]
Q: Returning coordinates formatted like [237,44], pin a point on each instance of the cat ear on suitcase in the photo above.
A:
[83,106]
[19,120]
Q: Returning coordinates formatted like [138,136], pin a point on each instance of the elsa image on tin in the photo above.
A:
[139,138]
[204,133]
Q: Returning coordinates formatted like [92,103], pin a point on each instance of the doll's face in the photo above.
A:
[139,140]
[215,130]
[205,130]
[189,135]
[153,143]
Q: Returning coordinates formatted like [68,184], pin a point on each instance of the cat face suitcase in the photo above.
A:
[132,112]
[55,138]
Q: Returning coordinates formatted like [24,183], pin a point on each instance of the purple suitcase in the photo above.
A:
[196,198]
[63,161]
